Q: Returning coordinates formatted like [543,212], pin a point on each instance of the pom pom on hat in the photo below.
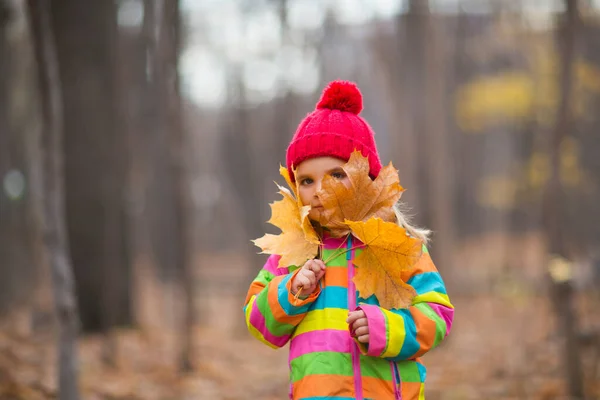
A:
[343,96]
[326,132]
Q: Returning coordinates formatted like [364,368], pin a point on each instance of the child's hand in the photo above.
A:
[357,320]
[308,278]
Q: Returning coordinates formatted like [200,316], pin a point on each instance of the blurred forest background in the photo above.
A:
[139,142]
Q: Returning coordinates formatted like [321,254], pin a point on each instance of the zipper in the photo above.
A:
[351,306]
[397,381]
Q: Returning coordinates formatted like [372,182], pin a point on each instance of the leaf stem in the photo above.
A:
[344,251]
[297,295]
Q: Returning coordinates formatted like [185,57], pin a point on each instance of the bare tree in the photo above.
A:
[441,168]
[413,55]
[554,202]
[54,206]
[243,174]
[170,44]
[7,228]
[170,194]
[283,117]
[95,160]
[20,208]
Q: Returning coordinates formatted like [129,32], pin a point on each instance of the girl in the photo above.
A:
[343,346]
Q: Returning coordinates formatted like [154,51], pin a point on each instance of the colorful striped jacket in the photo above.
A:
[325,361]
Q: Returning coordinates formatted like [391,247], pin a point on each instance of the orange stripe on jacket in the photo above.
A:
[255,288]
[425,264]
[426,331]
[342,386]
[411,390]
[324,385]
[377,388]
[336,276]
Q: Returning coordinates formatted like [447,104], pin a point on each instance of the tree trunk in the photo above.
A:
[412,140]
[20,228]
[95,160]
[283,120]
[439,145]
[241,170]
[7,227]
[554,204]
[161,192]
[171,45]
[55,229]
[169,208]
[133,56]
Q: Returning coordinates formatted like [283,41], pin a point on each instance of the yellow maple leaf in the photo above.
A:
[283,171]
[298,241]
[387,252]
[363,199]
[307,227]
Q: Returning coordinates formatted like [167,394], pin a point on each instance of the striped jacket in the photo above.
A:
[325,361]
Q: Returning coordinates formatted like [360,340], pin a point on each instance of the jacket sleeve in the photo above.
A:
[411,332]
[271,312]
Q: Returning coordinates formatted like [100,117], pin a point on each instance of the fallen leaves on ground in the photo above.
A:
[481,359]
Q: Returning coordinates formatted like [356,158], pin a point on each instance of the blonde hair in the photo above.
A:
[403,220]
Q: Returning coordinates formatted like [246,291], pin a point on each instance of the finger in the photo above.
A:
[363,330]
[311,287]
[320,264]
[352,316]
[296,283]
[305,267]
[310,290]
[356,315]
[303,281]
[314,267]
[309,280]
[361,322]
[354,326]
[363,338]
[310,277]
[309,268]
[320,274]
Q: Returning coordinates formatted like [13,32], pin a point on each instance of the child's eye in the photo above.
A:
[338,175]
[306,181]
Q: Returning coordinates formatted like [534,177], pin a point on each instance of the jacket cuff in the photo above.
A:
[298,302]
[377,331]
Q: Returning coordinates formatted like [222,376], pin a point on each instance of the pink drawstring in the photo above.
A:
[352,306]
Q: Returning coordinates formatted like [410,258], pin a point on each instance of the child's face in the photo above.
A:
[310,174]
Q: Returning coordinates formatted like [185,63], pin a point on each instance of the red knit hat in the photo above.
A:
[334,129]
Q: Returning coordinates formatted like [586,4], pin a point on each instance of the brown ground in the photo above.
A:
[502,346]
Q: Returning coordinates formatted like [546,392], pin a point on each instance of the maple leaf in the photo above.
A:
[298,241]
[283,171]
[388,252]
[363,199]
[307,227]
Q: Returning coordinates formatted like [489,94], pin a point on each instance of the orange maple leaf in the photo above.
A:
[362,200]
[298,241]
[387,252]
